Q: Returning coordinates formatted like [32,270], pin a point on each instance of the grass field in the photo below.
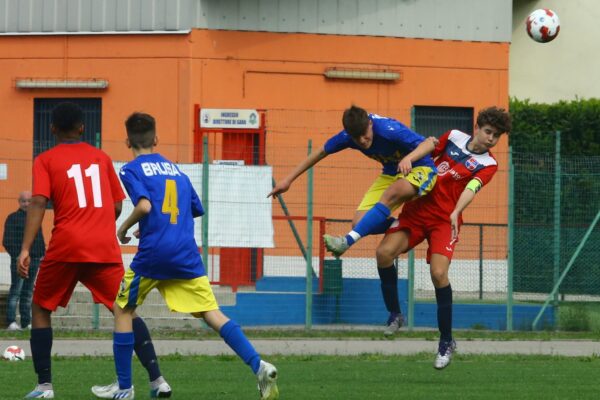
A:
[329,377]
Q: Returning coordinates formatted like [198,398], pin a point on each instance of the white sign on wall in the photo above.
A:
[240,214]
[229,118]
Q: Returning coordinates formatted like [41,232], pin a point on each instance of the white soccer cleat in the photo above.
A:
[337,245]
[444,355]
[110,391]
[43,391]
[162,391]
[395,321]
[267,381]
[124,394]
[106,392]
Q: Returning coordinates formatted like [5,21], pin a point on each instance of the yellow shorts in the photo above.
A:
[422,178]
[182,295]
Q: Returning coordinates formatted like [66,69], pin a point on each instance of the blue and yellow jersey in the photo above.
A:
[392,140]
[167,248]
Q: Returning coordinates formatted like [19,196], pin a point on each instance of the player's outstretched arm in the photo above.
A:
[424,148]
[142,208]
[466,197]
[284,185]
[33,222]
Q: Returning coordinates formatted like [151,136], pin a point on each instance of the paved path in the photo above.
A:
[328,347]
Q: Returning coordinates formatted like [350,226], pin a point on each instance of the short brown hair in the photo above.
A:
[141,130]
[499,118]
[355,121]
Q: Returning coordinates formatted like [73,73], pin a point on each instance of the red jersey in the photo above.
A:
[457,166]
[83,186]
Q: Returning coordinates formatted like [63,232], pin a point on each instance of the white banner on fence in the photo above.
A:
[240,214]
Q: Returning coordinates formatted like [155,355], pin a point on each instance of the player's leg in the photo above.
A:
[107,278]
[441,249]
[372,196]
[41,348]
[202,304]
[123,337]
[418,182]
[195,296]
[390,247]
[232,334]
[358,214]
[131,333]
[54,285]
[123,342]
[338,244]
[144,349]
[443,297]
[403,235]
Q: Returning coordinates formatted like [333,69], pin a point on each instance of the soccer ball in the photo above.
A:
[543,25]
[14,353]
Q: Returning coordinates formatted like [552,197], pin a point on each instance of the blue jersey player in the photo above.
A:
[402,179]
[168,258]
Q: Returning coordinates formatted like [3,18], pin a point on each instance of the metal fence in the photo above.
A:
[293,282]
[556,237]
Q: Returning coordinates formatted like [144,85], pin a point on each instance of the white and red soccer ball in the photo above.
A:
[543,25]
[14,353]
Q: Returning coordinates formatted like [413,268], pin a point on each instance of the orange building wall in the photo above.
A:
[165,75]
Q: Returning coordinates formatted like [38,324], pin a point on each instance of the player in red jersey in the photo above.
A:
[87,196]
[465,164]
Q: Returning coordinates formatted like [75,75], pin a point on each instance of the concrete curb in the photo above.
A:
[327,347]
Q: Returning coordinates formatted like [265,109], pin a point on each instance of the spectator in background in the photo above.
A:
[20,289]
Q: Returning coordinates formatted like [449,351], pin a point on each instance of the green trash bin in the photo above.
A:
[332,276]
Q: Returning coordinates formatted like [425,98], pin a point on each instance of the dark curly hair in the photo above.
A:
[67,117]
[497,117]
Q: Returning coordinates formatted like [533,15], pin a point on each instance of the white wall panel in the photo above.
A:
[268,15]
[308,16]
[289,14]
[478,20]
[248,15]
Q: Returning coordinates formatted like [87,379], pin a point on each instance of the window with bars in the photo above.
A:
[43,139]
[435,121]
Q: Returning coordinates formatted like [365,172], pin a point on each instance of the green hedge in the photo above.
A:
[534,124]
[533,143]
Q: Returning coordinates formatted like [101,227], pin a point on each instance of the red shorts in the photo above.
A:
[420,227]
[56,281]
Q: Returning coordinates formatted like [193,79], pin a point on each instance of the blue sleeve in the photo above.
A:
[338,142]
[397,132]
[133,185]
[197,210]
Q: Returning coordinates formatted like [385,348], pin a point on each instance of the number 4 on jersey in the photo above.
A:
[169,205]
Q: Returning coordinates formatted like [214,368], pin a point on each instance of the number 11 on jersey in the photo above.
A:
[92,172]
